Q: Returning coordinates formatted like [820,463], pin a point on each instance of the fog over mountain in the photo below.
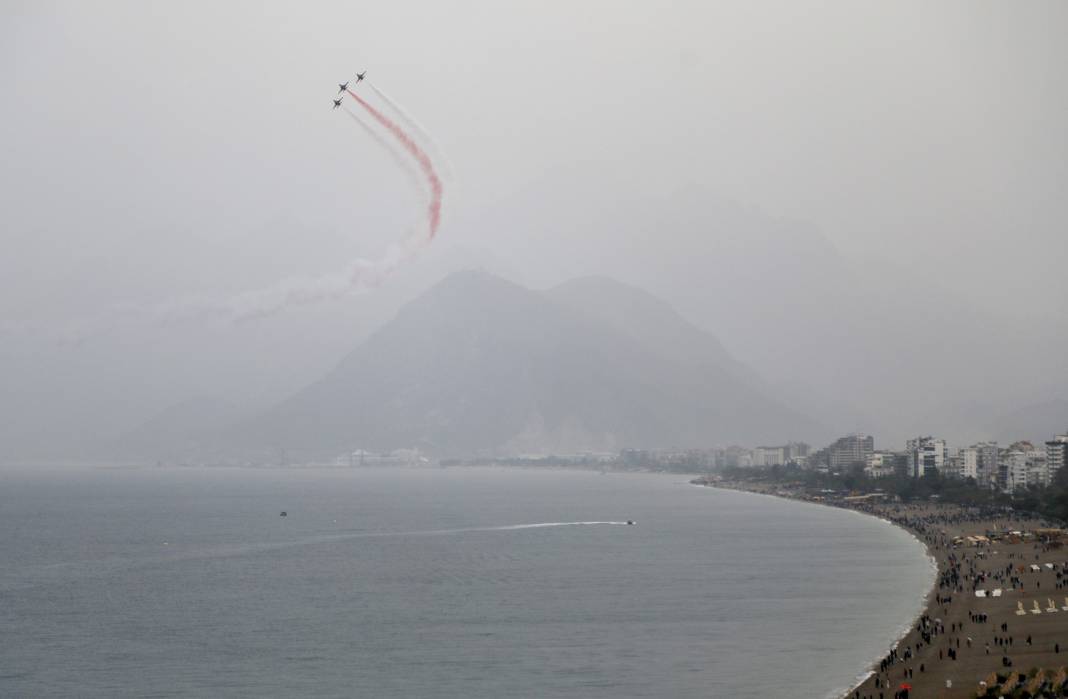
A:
[860,343]
[864,205]
[481,365]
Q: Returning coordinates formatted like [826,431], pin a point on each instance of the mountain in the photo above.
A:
[856,342]
[649,322]
[863,341]
[479,364]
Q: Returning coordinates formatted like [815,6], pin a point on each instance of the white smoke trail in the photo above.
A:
[360,276]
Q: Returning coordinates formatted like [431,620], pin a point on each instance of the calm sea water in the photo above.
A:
[419,584]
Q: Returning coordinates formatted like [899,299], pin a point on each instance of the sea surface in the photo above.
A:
[434,583]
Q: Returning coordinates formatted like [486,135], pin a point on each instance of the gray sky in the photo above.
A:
[158,150]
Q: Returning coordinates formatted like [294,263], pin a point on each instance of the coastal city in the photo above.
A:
[1008,469]
[1011,468]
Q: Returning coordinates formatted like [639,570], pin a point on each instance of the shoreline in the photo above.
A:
[903,629]
[960,643]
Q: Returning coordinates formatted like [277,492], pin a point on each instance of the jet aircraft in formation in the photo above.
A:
[341,87]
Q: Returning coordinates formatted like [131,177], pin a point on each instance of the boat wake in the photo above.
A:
[511,527]
[254,548]
[364,534]
[58,571]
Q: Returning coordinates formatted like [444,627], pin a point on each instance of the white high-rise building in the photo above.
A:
[769,456]
[1013,471]
[852,449]
[1022,469]
[988,464]
[1056,455]
[1037,469]
[796,451]
[926,453]
[969,462]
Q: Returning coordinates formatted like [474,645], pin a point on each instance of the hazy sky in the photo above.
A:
[157,150]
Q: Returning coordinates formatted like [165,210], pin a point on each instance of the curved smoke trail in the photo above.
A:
[361,274]
[399,158]
[427,166]
[414,125]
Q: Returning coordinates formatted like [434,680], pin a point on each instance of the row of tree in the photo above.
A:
[1050,502]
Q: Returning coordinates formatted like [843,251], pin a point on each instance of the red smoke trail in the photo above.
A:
[415,127]
[416,152]
[399,157]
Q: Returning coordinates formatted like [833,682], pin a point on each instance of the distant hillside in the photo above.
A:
[649,322]
[478,364]
[846,336]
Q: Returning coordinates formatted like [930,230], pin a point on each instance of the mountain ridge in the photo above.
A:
[478,364]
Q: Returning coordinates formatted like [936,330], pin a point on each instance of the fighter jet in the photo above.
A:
[341,87]
[337,103]
[359,76]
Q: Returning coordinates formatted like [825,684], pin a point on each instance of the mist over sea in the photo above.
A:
[418,583]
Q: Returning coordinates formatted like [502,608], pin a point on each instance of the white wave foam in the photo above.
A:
[540,524]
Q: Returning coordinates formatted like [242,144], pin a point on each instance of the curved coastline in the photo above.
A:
[992,625]
[663,635]
[903,629]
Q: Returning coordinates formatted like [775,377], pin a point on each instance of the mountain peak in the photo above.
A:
[472,281]
[479,364]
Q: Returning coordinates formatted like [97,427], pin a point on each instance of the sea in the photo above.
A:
[437,582]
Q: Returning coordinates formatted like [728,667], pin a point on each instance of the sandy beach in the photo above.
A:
[999,607]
